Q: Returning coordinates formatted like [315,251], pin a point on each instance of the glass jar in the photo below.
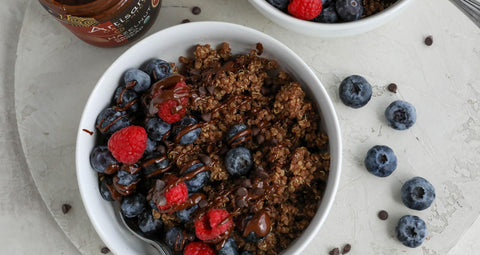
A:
[105,23]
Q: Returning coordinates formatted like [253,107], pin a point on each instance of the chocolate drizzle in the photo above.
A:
[164,90]
[240,137]
[259,224]
[156,160]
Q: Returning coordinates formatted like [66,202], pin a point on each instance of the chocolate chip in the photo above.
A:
[185,21]
[207,116]
[247,183]
[241,203]
[241,192]
[210,89]
[346,249]
[335,251]
[274,141]
[105,250]
[255,131]
[429,40]
[383,215]
[196,10]
[202,91]
[66,208]
[205,159]
[258,191]
[162,149]
[392,87]
[203,203]
[260,139]
[265,91]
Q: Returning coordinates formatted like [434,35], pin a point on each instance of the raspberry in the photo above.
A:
[305,9]
[128,144]
[176,195]
[169,110]
[198,248]
[212,225]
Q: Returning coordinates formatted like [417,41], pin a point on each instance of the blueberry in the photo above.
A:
[142,79]
[158,69]
[355,91]
[349,10]
[125,178]
[328,15]
[279,4]
[234,131]
[411,231]
[110,121]
[160,162]
[133,205]
[156,128]
[238,161]
[229,248]
[401,115]
[174,237]
[151,146]
[101,158]
[185,214]
[148,224]
[125,99]
[190,136]
[104,190]
[197,182]
[381,161]
[418,193]
[253,238]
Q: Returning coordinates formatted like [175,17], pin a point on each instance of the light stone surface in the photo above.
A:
[55,72]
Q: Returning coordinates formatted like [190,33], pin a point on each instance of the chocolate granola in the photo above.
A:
[277,198]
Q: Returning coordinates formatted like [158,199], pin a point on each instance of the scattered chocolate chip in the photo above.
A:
[383,215]
[210,89]
[66,208]
[241,192]
[429,40]
[185,21]
[162,149]
[203,203]
[334,251]
[260,139]
[206,116]
[205,159]
[392,87]
[196,10]
[202,91]
[346,249]
[105,250]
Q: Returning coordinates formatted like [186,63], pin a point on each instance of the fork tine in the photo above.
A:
[471,8]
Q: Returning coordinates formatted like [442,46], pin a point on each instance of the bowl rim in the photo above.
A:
[334,133]
[266,7]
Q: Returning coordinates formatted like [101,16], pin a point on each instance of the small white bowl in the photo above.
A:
[169,44]
[325,30]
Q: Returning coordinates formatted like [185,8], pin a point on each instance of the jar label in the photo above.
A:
[119,30]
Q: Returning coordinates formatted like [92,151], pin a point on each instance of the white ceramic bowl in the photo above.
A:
[169,44]
[329,30]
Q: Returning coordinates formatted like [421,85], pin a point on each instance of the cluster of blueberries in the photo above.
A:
[333,11]
[417,193]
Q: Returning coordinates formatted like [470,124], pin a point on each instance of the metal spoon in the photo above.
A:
[159,246]
[471,8]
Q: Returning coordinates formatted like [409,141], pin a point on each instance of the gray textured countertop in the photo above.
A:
[43,66]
